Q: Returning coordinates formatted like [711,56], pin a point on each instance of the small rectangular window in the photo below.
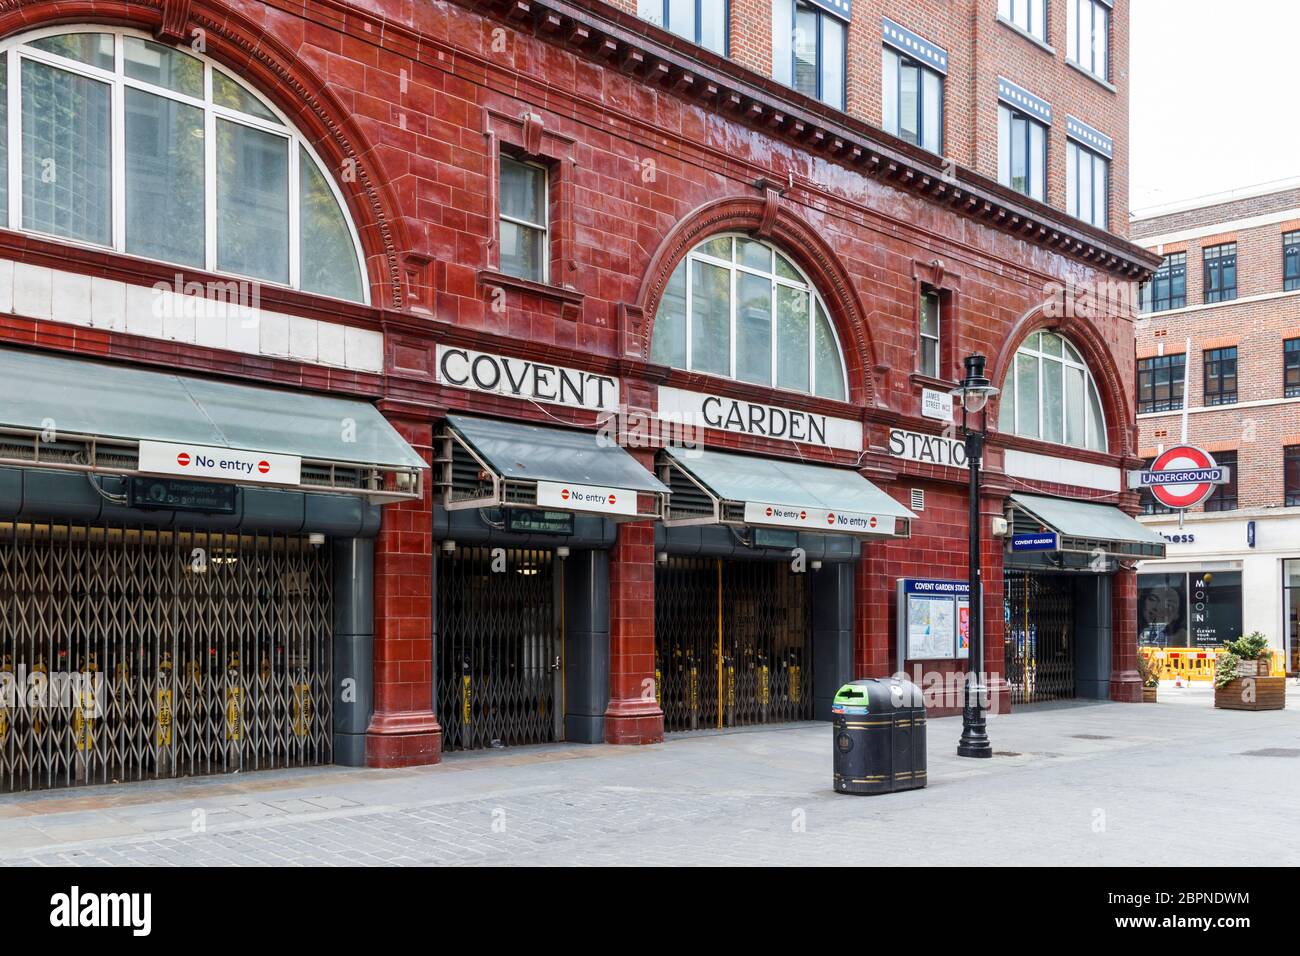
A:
[808,51]
[912,104]
[1087,193]
[1168,287]
[1028,15]
[525,251]
[1221,376]
[1224,497]
[1160,383]
[1291,261]
[1291,475]
[1022,153]
[700,21]
[1087,36]
[1291,367]
[930,333]
[1220,262]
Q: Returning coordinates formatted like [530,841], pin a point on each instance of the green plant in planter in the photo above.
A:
[1252,647]
[1225,669]
[1149,671]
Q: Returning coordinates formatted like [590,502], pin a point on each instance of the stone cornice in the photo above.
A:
[604,34]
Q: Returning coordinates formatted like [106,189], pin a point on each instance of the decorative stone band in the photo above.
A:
[1093,139]
[1021,99]
[918,48]
[223,314]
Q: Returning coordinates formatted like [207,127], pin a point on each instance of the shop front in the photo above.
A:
[184,573]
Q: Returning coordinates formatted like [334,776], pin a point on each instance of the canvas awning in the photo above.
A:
[109,418]
[485,463]
[712,487]
[1082,527]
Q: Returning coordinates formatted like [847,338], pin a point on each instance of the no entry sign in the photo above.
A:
[1181,477]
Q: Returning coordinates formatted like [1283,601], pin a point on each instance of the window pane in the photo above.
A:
[93,49]
[1074,433]
[1053,400]
[1007,406]
[713,25]
[710,318]
[1027,395]
[930,315]
[66,182]
[652,10]
[327,263]
[1096,425]
[805,51]
[523,192]
[932,111]
[164,179]
[522,251]
[681,18]
[908,80]
[719,248]
[753,254]
[792,338]
[832,63]
[1072,179]
[1019,155]
[786,270]
[1072,29]
[162,66]
[4,142]
[889,92]
[1038,162]
[252,202]
[1099,201]
[782,40]
[1085,186]
[669,345]
[1049,343]
[930,357]
[226,92]
[1101,42]
[753,328]
[829,370]
[1004,146]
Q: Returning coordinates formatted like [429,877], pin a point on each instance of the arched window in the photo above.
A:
[1049,394]
[110,139]
[737,307]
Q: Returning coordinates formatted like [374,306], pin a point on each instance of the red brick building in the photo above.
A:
[518,230]
[1220,334]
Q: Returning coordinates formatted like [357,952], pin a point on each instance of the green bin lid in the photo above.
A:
[854,692]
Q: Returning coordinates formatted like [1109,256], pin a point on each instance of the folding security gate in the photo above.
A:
[131,653]
[500,647]
[1040,640]
[733,643]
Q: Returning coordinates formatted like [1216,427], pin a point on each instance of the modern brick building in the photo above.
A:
[1223,315]
[670,329]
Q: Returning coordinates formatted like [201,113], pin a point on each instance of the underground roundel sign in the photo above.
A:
[1183,476]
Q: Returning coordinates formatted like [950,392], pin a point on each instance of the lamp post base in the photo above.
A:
[974,739]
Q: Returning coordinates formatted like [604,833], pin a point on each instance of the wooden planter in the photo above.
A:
[1149,695]
[1267,693]
[1251,669]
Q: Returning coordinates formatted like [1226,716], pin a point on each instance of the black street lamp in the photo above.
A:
[974,393]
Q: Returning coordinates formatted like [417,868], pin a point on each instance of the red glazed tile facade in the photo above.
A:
[651,145]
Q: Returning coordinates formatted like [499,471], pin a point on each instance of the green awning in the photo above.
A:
[713,487]
[491,463]
[112,407]
[1086,527]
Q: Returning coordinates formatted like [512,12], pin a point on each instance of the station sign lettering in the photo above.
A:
[759,420]
[927,449]
[526,379]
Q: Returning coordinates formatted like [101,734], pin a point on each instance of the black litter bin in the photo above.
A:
[879,727]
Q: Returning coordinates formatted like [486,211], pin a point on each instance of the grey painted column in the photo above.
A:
[1092,617]
[832,597]
[354,636]
[586,645]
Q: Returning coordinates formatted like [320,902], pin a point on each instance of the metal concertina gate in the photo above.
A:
[732,643]
[210,653]
[500,647]
[1039,636]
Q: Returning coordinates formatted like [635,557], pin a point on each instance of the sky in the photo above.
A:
[1214,97]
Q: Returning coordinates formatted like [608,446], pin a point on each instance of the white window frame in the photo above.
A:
[1070,357]
[1034,16]
[543,227]
[736,268]
[1074,155]
[16,49]
[1074,45]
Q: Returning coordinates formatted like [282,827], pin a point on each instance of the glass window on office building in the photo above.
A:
[1221,376]
[1087,36]
[1220,272]
[1087,185]
[1160,383]
[912,101]
[808,50]
[1224,497]
[1291,261]
[1291,368]
[1291,475]
[1022,153]
[1168,287]
[1028,15]
[700,21]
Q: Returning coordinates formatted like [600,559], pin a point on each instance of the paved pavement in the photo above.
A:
[1071,784]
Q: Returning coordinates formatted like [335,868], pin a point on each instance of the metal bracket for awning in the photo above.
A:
[692,502]
[465,479]
[1025,521]
[67,451]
